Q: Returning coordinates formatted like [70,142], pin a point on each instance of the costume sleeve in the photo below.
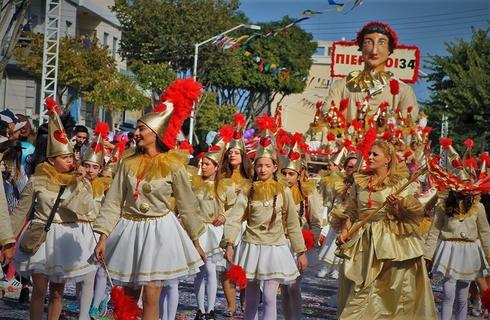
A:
[292,223]
[7,227]
[234,220]
[408,99]
[78,198]
[187,203]
[315,214]
[434,232]
[483,229]
[110,212]
[340,215]
[230,199]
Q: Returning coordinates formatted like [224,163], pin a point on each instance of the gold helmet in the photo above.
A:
[216,151]
[58,143]
[267,144]
[95,154]
[237,140]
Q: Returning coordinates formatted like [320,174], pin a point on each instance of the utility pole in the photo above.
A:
[444,133]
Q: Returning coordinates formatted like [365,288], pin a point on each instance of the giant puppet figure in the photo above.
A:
[366,90]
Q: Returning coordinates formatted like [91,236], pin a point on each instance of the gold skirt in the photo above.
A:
[371,288]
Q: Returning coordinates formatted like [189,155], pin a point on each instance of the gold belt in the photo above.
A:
[459,240]
[137,217]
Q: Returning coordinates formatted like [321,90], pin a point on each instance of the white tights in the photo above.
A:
[455,294]
[208,271]
[99,287]
[291,300]
[169,300]
[85,291]
[269,299]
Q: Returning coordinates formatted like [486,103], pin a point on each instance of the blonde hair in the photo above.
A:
[389,152]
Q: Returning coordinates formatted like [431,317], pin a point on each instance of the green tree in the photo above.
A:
[79,68]
[153,77]
[164,31]
[461,81]
[210,116]
[117,93]
[236,76]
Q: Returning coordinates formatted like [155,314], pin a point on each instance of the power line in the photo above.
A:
[403,18]
[421,22]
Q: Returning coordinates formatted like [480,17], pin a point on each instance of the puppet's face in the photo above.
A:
[375,50]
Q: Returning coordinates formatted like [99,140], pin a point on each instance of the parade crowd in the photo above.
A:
[359,196]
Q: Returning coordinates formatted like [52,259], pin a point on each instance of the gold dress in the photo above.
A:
[384,271]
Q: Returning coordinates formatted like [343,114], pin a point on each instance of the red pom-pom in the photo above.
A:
[485,299]
[122,146]
[237,275]
[407,154]
[409,109]
[330,137]
[344,103]
[468,143]
[319,104]
[427,130]
[102,128]
[387,135]
[226,132]
[445,143]
[471,163]
[394,87]
[125,308]
[239,120]
[309,239]
[347,143]
[384,106]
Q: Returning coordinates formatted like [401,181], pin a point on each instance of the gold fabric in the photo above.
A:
[214,201]
[6,233]
[404,99]
[385,274]
[261,210]
[163,177]
[58,142]
[49,172]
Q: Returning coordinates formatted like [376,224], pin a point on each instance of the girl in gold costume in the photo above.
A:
[264,254]
[141,240]
[384,271]
[63,252]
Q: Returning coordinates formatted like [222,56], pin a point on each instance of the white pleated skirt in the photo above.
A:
[154,251]
[67,254]
[460,260]
[327,251]
[267,262]
[210,243]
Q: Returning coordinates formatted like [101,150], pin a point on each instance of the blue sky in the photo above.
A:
[427,24]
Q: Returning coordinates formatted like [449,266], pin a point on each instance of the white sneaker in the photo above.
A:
[334,275]
[322,273]
[476,308]
[11,288]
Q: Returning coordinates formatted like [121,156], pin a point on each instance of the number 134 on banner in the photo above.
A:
[403,62]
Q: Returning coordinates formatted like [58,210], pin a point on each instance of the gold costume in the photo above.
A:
[384,269]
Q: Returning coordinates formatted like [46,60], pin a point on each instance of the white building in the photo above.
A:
[20,91]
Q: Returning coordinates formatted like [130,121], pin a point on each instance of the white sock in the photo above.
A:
[86,294]
[269,299]
[199,288]
[99,287]
[169,301]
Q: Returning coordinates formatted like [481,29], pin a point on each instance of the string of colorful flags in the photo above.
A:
[272,69]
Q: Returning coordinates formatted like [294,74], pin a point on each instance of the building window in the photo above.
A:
[105,40]
[320,52]
[114,47]
[330,51]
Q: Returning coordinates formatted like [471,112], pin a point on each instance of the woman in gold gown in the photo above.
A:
[384,274]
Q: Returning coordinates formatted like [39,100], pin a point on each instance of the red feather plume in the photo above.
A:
[239,120]
[319,104]
[121,146]
[309,239]
[265,122]
[387,135]
[445,143]
[237,275]
[365,145]
[52,105]
[125,308]
[394,87]
[330,137]
[183,93]
[102,128]
[226,132]
[384,106]
[185,145]
[409,109]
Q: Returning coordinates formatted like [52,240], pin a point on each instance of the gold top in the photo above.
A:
[365,81]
